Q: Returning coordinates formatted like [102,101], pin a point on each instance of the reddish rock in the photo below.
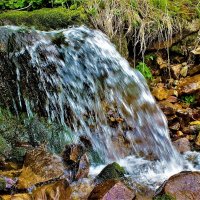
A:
[40,166]
[172,99]
[112,189]
[183,186]
[189,85]
[182,145]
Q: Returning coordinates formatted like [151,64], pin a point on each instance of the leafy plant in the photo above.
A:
[188,99]
[145,70]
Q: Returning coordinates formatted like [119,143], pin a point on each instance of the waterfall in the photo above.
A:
[77,78]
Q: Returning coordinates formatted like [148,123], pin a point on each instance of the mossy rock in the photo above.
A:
[111,171]
[46,18]
[5,147]
[19,134]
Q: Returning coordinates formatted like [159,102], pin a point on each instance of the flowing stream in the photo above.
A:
[76,77]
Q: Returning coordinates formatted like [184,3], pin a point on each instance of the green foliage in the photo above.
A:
[17,4]
[164,197]
[145,70]
[46,18]
[34,4]
[189,99]
[160,4]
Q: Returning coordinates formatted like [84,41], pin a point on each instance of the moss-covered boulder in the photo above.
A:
[20,133]
[46,18]
[111,171]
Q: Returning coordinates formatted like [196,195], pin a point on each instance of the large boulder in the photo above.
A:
[40,166]
[111,171]
[182,186]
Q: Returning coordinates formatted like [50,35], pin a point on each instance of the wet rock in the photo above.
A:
[193,69]
[184,71]
[73,153]
[182,145]
[172,99]
[83,168]
[179,133]
[122,145]
[22,196]
[112,189]
[183,186]
[19,134]
[169,108]
[40,166]
[80,190]
[191,137]
[189,85]
[176,69]
[162,63]
[57,190]
[111,171]
[76,161]
[162,93]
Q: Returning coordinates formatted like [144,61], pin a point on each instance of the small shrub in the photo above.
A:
[145,70]
[188,99]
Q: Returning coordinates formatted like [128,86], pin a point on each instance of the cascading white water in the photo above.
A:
[82,81]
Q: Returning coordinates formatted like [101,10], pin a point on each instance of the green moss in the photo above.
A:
[18,134]
[164,197]
[46,18]
[111,171]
